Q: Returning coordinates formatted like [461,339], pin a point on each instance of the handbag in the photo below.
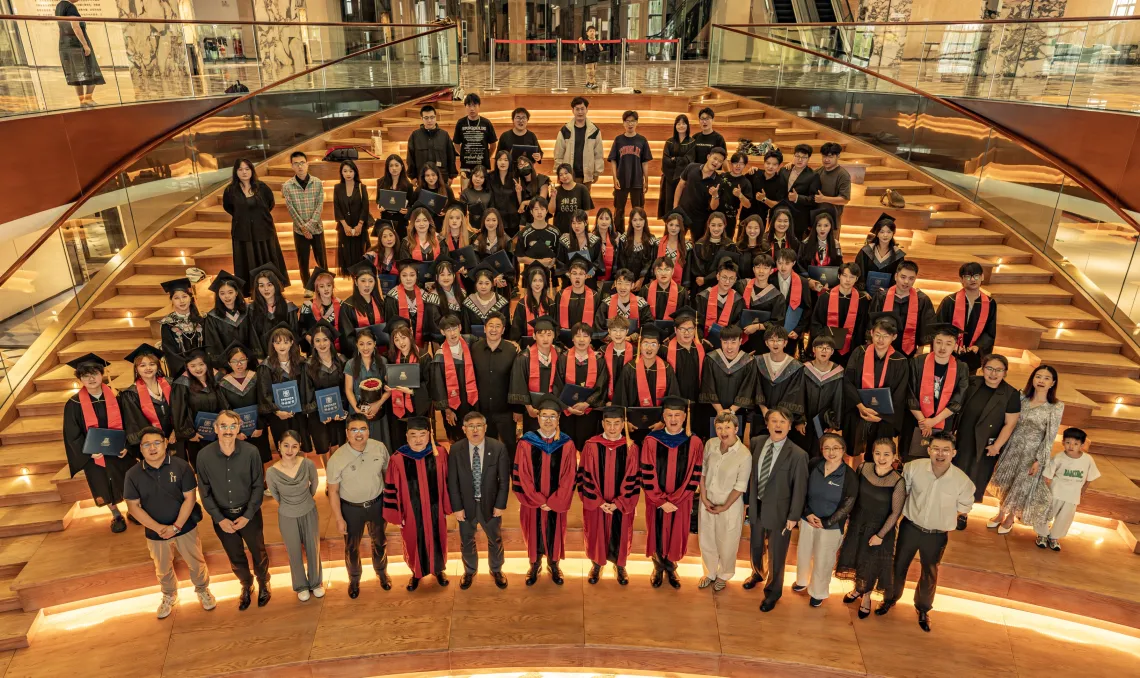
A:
[341,153]
[892,198]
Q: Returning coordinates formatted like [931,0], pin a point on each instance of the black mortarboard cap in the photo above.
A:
[550,402]
[381,333]
[651,331]
[825,208]
[723,256]
[251,361]
[582,261]
[318,272]
[685,220]
[948,329]
[224,277]
[172,286]
[145,349]
[364,267]
[674,403]
[89,359]
[613,413]
[885,217]
[884,314]
[544,322]
[684,313]
[539,251]
[473,273]
[418,424]
[267,268]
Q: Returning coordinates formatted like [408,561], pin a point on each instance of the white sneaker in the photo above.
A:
[303,595]
[167,605]
[319,592]
[207,600]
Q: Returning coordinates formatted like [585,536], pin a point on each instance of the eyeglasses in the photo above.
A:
[152,444]
[975,276]
[228,427]
[547,416]
[358,430]
[880,335]
[239,361]
[474,427]
[993,370]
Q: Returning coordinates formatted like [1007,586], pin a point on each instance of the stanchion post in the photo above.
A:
[558,88]
[677,70]
[622,89]
[491,88]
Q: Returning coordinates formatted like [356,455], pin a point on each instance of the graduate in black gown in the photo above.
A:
[700,268]
[182,329]
[323,307]
[821,248]
[881,254]
[448,285]
[194,392]
[581,366]
[938,383]
[685,354]
[728,381]
[823,393]
[283,365]
[239,380]
[575,304]
[990,410]
[842,306]
[324,369]
[759,294]
[875,365]
[720,305]
[94,405]
[663,295]
[911,307]
[646,381]
[364,308]
[535,371]
[617,351]
[797,297]
[779,380]
[153,407]
[269,309]
[408,300]
[537,300]
[416,400]
[780,235]
[455,391]
[480,304]
[228,321]
[621,301]
[975,313]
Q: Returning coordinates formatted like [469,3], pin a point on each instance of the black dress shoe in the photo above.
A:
[441,579]
[595,572]
[852,597]
[385,580]
[246,598]
[118,524]
[532,574]
[622,577]
[864,613]
[767,605]
[961,522]
[884,608]
[413,583]
[555,573]
[751,582]
[815,602]
[263,594]
[500,579]
[465,582]
[673,580]
[924,621]
[353,589]
[796,588]
[655,580]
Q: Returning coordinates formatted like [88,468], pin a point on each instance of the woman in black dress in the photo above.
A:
[408,402]
[240,384]
[395,179]
[353,219]
[325,369]
[637,247]
[194,392]
[533,184]
[182,330]
[228,322]
[252,233]
[77,57]
[477,196]
[147,401]
[677,156]
[95,406]
[283,365]
[867,553]
[489,241]
[506,192]
[269,310]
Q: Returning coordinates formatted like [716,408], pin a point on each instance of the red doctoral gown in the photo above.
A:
[544,473]
[670,472]
[416,499]
[609,475]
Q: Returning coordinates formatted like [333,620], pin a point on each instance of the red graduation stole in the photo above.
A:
[564,307]
[670,305]
[911,316]
[612,311]
[959,319]
[816,261]
[795,291]
[726,312]
[926,389]
[145,402]
[452,242]
[678,262]
[418,251]
[869,367]
[607,259]
[626,357]
[452,378]
[402,403]
[402,298]
[362,319]
[849,322]
[91,420]
[533,381]
[528,329]
[643,398]
[591,372]
[671,353]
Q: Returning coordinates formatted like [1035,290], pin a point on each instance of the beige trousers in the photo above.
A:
[719,537]
[1061,513]
[189,547]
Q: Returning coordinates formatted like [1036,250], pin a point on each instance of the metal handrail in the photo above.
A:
[202,22]
[1039,20]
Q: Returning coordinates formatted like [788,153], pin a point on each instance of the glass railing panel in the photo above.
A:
[222,139]
[153,62]
[97,232]
[19,93]
[162,184]
[958,59]
[1020,189]
[949,145]
[1106,74]
[1127,312]
[68,55]
[222,56]
[1038,62]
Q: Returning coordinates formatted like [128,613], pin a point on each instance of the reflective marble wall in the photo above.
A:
[154,51]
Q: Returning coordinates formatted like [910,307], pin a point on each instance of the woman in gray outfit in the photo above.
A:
[293,483]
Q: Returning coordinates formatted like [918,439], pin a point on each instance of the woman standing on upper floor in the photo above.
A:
[677,156]
[253,235]
[77,56]
[353,218]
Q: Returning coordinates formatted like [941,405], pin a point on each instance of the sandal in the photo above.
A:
[704,583]
[851,597]
[720,585]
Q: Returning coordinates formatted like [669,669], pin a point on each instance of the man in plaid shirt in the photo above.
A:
[305,196]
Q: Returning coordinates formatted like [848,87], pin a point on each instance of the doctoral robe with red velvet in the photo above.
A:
[416,499]
[609,473]
[544,474]
[670,472]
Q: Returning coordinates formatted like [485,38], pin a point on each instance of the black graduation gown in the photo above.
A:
[106,482]
[868,263]
[188,398]
[701,304]
[809,252]
[441,390]
[220,331]
[602,314]
[329,436]
[804,321]
[311,313]
[858,334]
[637,261]
[134,420]
[430,311]
[823,398]
[688,369]
[860,434]
[626,395]
[769,300]
[725,386]
[520,331]
[926,317]
[910,424]
[614,367]
[421,400]
[423,527]
[786,391]
[582,427]
[248,397]
[473,314]
[349,324]
[567,247]
[179,337]
[520,393]
[985,341]
[267,376]
[660,302]
[701,263]
[262,325]
[575,309]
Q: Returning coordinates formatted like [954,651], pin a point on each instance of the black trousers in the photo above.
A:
[357,518]
[252,536]
[495,551]
[304,246]
[979,466]
[772,544]
[621,195]
[501,425]
[929,546]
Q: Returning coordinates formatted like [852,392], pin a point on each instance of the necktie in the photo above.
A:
[766,460]
[477,472]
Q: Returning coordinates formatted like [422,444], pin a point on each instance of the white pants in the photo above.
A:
[1061,513]
[815,558]
[719,537]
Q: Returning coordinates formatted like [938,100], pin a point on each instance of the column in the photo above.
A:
[155,52]
[1026,49]
[280,49]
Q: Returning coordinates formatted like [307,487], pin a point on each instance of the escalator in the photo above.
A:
[824,12]
[784,11]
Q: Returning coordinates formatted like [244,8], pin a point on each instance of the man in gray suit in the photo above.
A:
[776,494]
[478,481]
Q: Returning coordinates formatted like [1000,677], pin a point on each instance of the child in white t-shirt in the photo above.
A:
[1067,475]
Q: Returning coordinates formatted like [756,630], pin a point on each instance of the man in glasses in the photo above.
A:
[478,480]
[519,135]
[974,313]
[355,477]
[232,485]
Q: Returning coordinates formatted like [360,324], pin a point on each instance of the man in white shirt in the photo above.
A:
[937,492]
[724,478]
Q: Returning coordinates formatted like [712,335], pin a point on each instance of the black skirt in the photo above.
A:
[350,249]
[249,256]
[78,69]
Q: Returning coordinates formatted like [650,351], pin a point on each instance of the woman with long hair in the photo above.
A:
[365,365]
[325,369]
[194,392]
[240,384]
[228,321]
[456,233]
[1018,481]
[253,235]
[146,402]
[537,300]
[182,328]
[323,307]
[407,402]
[677,156]
[363,308]
[700,271]
[422,243]
[293,482]
[506,191]
[821,248]
[490,240]
[353,217]
[533,183]
[389,249]
[607,245]
[579,241]
[270,309]
[637,248]
[749,240]
[432,180]
[448,287]
[282,365]
[395,179]
[881,254]
[481,303]
[781,231]
[477,196]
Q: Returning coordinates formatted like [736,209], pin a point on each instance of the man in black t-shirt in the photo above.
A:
[707,139]
[629,160]
[474,139]
[735,192]
[698,192]
[568,197]
[519,135]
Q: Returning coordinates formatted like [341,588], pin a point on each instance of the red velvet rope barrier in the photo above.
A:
[523,42]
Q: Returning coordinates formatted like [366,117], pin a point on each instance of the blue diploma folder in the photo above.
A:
[878,399]
[329,404]
[287,397]
[248,419]
[204,422]
[104,441]
[573,394]
[877,280]
[792,318]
